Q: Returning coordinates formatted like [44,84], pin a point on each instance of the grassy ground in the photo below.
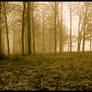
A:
[66,71]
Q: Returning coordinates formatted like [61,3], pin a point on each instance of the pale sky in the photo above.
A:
[66,15]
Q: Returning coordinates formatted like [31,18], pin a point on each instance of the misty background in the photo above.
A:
[53,27]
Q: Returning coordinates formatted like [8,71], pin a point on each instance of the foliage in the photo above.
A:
[48,72]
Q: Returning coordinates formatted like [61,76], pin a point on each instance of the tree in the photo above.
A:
[33,27]
[80,12]
[29,28]
[70,27]
[6,24]
[55,25]
[78,9]
[59,24]
[43,32]
[0,28]
[43,28]
[88,22]
[61,31]
[84,26]
[23,25]
[54,9]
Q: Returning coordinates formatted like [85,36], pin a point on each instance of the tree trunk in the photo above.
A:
[70,30]
[33,29]
[49,42]
[85,22]
[61,31]
[23,26]
[90,42]
[83,48]
[0,30]
[29,28]
[7,33]
[79,40]
[83,45]
[55,28]
[43,35]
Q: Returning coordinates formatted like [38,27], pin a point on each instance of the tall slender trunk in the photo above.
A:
[49,42]
[0,29]
[60,38]
[61,32]
[43,35]
[29,28]
[70,30]
[55,28]
[83,45]
[79,40]
[85,22]
[83,48]
[33,29]
[14,42]
[7,33]
[23,26]
[90,42]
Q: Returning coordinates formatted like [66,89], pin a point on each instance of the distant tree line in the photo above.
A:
[28,28]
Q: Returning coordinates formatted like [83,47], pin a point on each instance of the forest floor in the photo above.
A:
[65,71]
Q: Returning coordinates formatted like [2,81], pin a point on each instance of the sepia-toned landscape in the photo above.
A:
[45,45]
